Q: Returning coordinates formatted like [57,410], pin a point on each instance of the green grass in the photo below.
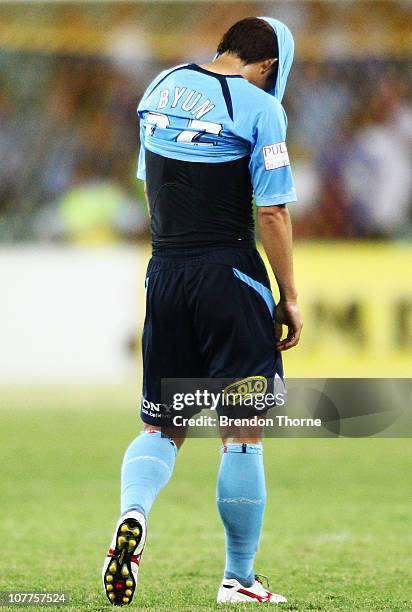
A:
[337,532]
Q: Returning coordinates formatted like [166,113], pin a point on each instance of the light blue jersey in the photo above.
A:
[194,115]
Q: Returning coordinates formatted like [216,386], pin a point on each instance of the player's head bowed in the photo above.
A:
[265,47]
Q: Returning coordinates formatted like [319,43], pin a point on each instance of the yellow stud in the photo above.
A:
[129,583]
[113,567]
[132,544]
[109,578]
[121,540]
[124,528]
[125,600]
[128,592]
[125,571]
[109,587]
[111,596]
[136,532]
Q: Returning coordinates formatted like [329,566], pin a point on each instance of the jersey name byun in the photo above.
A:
[190,101]
[209,143]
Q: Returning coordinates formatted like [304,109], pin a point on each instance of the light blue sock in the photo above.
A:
[241,498]
[147,467]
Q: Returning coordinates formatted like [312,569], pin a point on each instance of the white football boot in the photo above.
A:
[121,565]
[231,591]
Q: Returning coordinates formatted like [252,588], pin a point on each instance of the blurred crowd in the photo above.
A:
[69,145]
[68,150]
[351,141]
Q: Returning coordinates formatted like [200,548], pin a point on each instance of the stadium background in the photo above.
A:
[74,244]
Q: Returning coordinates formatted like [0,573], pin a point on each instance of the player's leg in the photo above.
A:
[149,460]
[239,342]
[147,467]
[241,499]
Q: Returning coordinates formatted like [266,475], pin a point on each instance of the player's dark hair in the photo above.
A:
[251,39]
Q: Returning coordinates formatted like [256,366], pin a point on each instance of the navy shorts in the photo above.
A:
[208,315]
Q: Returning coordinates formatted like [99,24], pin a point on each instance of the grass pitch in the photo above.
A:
[337,531]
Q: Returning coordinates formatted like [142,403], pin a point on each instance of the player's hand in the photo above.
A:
[287,313]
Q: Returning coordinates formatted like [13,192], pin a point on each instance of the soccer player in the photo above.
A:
[212,137]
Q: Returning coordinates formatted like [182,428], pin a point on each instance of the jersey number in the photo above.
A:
[154,120]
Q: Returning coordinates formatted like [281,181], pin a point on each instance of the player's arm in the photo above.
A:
[273,188]
[275,231]
[146,197]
